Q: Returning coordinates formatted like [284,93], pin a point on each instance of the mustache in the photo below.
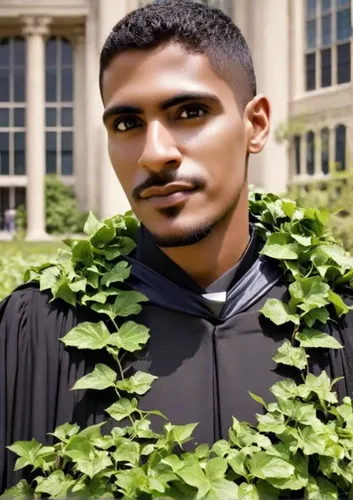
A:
[164,178]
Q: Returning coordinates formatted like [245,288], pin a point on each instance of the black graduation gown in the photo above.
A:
[206,363]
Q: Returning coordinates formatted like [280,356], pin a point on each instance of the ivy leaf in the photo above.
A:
[248,491]
[265,466]
[119,273]
[313,442]
[278,312]
[101,378]
[258,399]
[292,356]
[194,476]
[305,241]
[122,408]
[92,225]
[222,488]
[62,432]
[180,433]
[131,337]
[93,466]
[314,338]
[236,459]
[271,422]
[337,254]
[82,252]
[139,383]
[216,468]
[127,451]
[320,489]
[300,477]
[62,290]
[289,207]
[310,291]
[100,297]
[22,491]
[128,303]
[103,236]
[279,246]
[285,389]
[49,278]
[340,307]
[78,286]
[79,448]
[318,314]
[321,386]
[87,335]
[55,485]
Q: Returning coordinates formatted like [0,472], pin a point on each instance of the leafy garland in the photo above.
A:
[303,442]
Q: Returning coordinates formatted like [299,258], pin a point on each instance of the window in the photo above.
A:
[59,106]
[11,197]
[325,150]
[340,148]
[12,106]
[328,31]
[310,153]
[297,153]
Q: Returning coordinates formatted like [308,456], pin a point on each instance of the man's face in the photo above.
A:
[177,140]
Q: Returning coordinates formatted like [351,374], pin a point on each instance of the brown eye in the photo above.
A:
[192,112]
[125,124]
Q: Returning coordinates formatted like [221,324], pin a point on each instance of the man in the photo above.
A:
[182,117]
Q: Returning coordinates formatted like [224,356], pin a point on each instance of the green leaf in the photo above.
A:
[92,225]
[216,468]
[122,408]
[248,491]
[128,303]
[318,314]
[305,241]
[279,246]
[78,448]
[82,252]
[236,460]
[22,491]
[78,286]
[139,383]
[180,433]
[278,312]
[289,207]
[101,378]
[62,290]
[194,476]
[340,307]
[65,431]
[313,442]
[103,236]
[131,337]
[27,449]
[100,297]
[292,356]
[271,422]
[258,399]
[314,338]
[127,451]
[119,273]
[300,477]
[55,485]
[320,385]
[222,488]
[320,489]
[93,466]
[202,451]
[285,389]
[87,335]
[265,466]
[310,291]
[49,278]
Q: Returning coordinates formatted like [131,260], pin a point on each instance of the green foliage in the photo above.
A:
[303,442]
[61,213]
[335,195]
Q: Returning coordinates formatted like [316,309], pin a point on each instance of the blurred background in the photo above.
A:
[54,165]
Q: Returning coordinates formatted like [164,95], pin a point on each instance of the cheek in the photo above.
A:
[123,160]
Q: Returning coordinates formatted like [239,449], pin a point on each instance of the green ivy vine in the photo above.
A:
[302,443]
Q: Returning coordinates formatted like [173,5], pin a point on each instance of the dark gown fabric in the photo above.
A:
[206,363]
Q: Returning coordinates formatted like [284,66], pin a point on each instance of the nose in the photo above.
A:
[160,149]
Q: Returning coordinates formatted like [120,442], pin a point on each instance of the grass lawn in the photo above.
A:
[17,256]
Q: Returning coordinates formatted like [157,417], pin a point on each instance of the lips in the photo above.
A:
[169,189]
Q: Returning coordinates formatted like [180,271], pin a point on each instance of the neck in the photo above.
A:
[222,249]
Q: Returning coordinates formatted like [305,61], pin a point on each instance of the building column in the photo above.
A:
[35,29]
[112,196]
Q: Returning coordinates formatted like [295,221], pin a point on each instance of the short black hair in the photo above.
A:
[198,28]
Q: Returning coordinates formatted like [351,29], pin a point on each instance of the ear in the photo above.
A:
[257,123]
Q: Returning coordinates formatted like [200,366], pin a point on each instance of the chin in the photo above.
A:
[182,237]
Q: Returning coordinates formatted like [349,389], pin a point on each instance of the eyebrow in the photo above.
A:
[117,110]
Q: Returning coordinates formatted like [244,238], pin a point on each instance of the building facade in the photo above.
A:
[51,111]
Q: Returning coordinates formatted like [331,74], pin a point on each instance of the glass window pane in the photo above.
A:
[310,8]
[4,204]
[66,153]
[326,30]
[326,69]
[325,5]
[50,141]
[50,117]
[4,117]
[310,153]
[66,117]
[19,51]
[20,196]
[4,52]
[310,63]
[4,154]
[51,52]
[325,144]
[66,52]
[297,153]
[343,21]
[19,117]
[340,142]
[19,85]
[20,162]
[4,85]
[50,154]
[344,63]
[50,85]
[343,3]
[66,85]
[311,34]
[50,162]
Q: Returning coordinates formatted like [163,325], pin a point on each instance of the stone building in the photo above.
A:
[50,108]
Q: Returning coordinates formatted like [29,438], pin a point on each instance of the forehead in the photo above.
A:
[156,74]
